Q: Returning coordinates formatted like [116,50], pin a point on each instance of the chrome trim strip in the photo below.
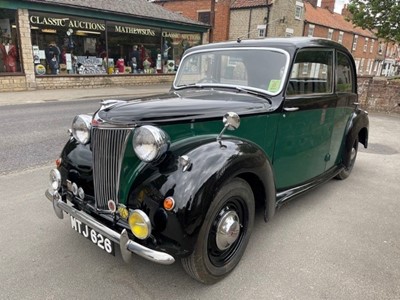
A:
[131,246]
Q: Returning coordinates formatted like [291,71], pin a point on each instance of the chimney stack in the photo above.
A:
[312,2]
[328,4]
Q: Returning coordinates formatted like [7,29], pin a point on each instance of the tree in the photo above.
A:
[381,16]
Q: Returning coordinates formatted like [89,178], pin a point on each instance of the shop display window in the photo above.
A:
[173,47]
[10,58]
[65,45]
[134,49]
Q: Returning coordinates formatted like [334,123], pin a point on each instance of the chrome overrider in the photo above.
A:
[127,246]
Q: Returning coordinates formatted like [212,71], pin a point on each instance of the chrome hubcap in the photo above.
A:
[228,230]
[353,153]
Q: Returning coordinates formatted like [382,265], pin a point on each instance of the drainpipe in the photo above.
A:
[249,26]
[212,21]
[267,21]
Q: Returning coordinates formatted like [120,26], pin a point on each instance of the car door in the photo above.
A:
[346,100]
[305,126]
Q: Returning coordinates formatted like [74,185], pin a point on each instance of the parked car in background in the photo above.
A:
[165,179]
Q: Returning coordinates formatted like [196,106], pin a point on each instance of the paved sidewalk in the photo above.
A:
[116,92]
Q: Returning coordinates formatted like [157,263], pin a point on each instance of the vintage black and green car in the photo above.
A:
[246,125]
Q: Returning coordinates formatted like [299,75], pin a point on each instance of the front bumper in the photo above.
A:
[127,246]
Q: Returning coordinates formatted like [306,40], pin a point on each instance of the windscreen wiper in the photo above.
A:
[255,93]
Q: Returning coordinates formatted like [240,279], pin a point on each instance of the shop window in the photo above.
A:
[10,58]
[65,45]
[133,49]
[173,48]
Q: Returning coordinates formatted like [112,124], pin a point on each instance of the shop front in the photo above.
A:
[52,47]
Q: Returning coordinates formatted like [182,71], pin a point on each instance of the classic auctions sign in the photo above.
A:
[88,25]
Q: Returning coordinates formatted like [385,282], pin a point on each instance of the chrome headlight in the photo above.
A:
[150,143]
[55,179]
[81,128]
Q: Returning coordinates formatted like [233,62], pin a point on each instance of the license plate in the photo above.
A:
[96,238]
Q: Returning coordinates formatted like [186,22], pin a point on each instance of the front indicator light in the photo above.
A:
[169,203]
[140,224]
[123,212]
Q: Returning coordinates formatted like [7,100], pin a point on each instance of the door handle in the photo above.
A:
[291,108]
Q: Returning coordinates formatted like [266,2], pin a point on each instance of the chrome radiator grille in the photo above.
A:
[108,146]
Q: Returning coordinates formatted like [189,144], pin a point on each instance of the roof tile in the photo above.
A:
[323,17]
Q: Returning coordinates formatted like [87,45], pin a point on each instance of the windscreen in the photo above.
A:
[255,68]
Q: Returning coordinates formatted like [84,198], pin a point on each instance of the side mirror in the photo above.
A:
[231,121]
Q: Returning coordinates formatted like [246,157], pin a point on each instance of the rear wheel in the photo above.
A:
[224,234]
[353,155]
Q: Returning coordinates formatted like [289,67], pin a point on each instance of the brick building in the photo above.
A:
[201,10]
[363,44]
[48,44]
[243,18]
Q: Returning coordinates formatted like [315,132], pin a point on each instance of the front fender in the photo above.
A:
[212,164]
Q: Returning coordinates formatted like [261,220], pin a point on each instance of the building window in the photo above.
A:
[362,64]
[262,29]
[355,40]
[311,30]
[366,45]
[340,38]
[299,10]
[380,48]
[205,17]
[330,34]
[289,32]
[9,46]
[372,46]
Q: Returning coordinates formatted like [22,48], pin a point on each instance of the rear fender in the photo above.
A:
[357,126]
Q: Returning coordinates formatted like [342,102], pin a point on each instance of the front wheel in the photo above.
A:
[353,155]
[224,234]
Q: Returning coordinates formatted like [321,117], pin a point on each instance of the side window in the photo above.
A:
[344,74]
[311,73]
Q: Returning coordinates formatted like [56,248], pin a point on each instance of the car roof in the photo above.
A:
[285,43]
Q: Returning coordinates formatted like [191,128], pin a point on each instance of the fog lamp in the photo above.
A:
[139,223]
[55,179]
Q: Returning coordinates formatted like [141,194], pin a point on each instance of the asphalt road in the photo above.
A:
[340,241]
[34,134]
